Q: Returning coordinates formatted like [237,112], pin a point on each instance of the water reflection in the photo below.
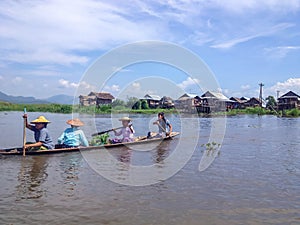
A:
[31,176]
[161,152]
[70,166]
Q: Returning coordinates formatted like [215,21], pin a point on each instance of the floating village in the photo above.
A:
[208,102]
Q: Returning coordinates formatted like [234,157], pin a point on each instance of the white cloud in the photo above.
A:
[86,86]
[55,31]
[65,36]
[42,73]
[112,88]
[188,83]
[80,88]
[67,84]
[245,87]
[291,84]
[136,86]
[120,69]
[140,88]
[17,80]
[239,7]
[281,51]
[45,56]
[1,77]
[268,32]
[223,91]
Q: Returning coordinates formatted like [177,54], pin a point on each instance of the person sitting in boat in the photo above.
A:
[73,136]
[126,131]
[41,134]
[164,125]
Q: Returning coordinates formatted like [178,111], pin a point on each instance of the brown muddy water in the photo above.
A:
[254,180]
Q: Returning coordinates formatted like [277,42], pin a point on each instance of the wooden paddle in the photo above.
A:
[106,131]
[24,133]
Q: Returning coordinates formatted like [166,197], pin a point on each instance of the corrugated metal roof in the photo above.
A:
[152,97]
[217,95]
[187,95]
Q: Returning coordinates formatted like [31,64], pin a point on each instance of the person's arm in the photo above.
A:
[37,144]
[170,128]
[131,129]
[83,139]
[27,124]
[156,122]
[118,133]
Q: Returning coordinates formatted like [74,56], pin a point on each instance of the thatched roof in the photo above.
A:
[105,95]
[238,100]
[92,93]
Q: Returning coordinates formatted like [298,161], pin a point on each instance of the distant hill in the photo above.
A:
[58,99]
[61,99]
[20,99]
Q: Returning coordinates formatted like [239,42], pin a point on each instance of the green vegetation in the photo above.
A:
[263,111]
[122,107]
[57,108]
[100,140]
[52,108]
[271,102]
[210,148]
[291,113]
[251,111]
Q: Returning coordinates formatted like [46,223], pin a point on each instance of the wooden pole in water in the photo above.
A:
[24,134]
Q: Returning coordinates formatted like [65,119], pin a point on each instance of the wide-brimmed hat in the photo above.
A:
[125,118]
[40,119]
[75,122]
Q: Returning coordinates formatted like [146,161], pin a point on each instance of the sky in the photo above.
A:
[47,47]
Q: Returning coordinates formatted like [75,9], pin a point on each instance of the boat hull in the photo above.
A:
[140,141]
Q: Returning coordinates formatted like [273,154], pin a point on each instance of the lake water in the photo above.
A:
[254,180]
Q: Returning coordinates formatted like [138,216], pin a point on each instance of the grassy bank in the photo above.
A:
[57,108]
[291,113]
[52,108]
[262,111]
[251,111]
[109,109]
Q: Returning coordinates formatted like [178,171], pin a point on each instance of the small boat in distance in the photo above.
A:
[138,141]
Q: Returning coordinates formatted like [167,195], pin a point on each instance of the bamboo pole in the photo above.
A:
[24,134]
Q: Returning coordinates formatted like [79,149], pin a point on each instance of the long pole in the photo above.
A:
[24,134]
[106,131]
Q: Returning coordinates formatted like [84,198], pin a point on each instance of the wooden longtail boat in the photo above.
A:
[139,141]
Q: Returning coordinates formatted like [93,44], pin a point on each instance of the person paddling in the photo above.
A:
[73,136]
[126,131]
[164,125]
[41,134]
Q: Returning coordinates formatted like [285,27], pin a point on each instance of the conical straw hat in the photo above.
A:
[40,119]
[75,122]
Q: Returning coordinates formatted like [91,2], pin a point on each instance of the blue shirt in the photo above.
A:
[73,136]
[43,136]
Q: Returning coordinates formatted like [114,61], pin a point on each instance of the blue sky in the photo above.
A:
[46,46]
